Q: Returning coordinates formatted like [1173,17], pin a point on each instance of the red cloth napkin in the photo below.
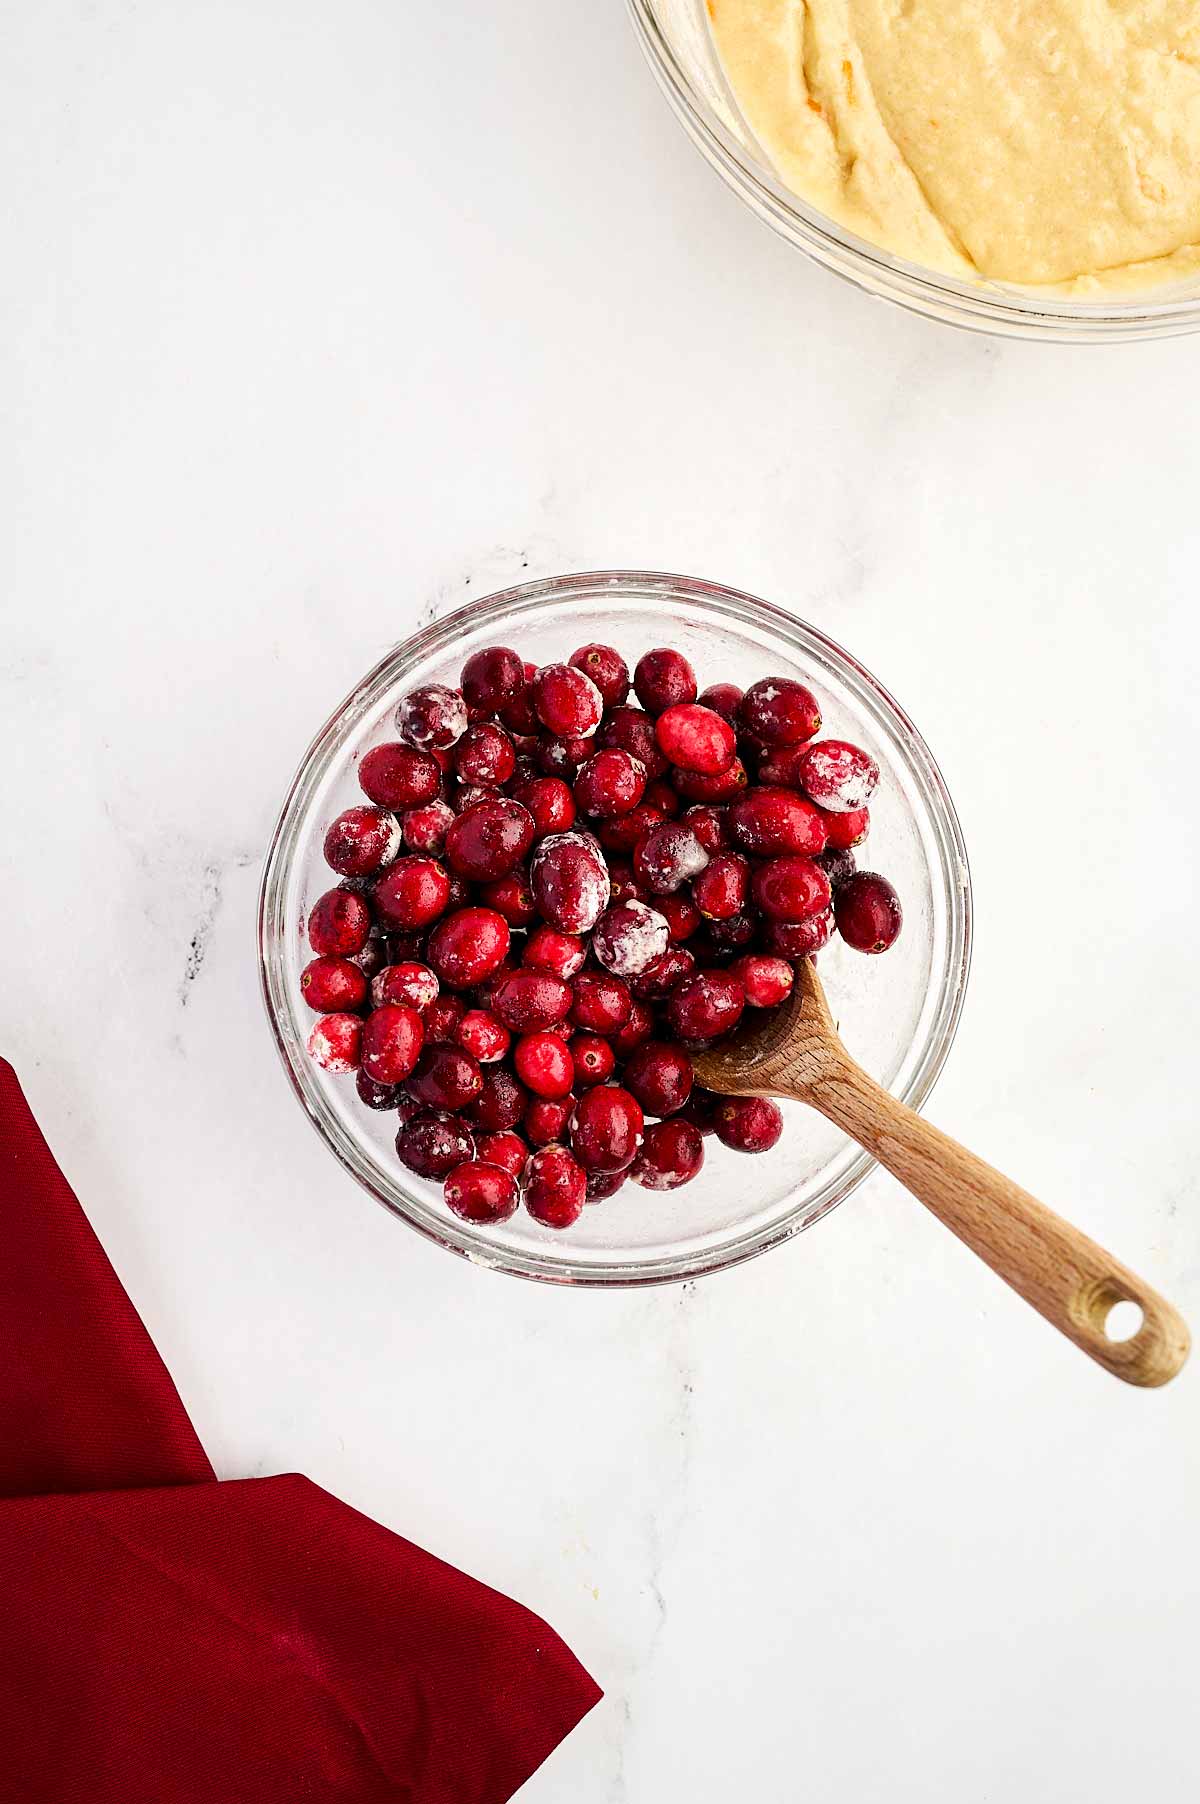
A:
[165,1639]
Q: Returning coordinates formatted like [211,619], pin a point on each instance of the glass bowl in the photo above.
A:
[676,37]
[898,1013]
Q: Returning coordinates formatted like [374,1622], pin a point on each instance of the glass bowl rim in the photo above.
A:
[503,606]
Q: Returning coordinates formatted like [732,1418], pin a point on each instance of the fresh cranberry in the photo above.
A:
[603,1184]
[432,1145]
[779,711]
[433,718]
[707,822]
[664,679]
[607,669]
[544,1064]
[669,856]
[849,828]
[505,1149]
[867,911]
[481,1193]
[724,938]
[335,1043]
[566,701]
[681,915]
[402,949]
[795,940]
[489,839]
[628,938]
[442,1018]
[606,1128]
[767,981]
[546,1119]
[781,766]
[468,946]
[480,1034]
[611,783]
[790,887]
[424,829]
[720,891]
[770,820]
[601,1004]
[547,949]
[669,972]
[708,1006]
[485,755]
[412,893]
[412,984]
[333,985]
[562,757]
[555,1187]
[839,776]
[391,1042]
[549,801]
[379,1096]
[593,1059]
[511,897]
[660,1076]
[446,1078]
[659,794]
[570,882]
[501,1101]
[700,1109]
[629,730]
[460,893]
[489,677]
[528,1000]
[724,699]
[671,1154]
[696,739]
[749,1124]
[639,1027]
[399,777]
[623,886]
[362,840]
[695,788]
[516,710]
[339,923]
[836,863]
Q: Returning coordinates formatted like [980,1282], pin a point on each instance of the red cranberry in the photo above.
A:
[795,940]
[442,1018]
[720,891]
[695,788]
[700,1108]
[601,1004]
[516,710]
[468,946]
[544,1064]
[379,1096]
[659,794]
[402,949]
[489,677]
[770,820]
[546,1119]
[696,739]
[724,699]
[505,1149]
[549,801]
[511,897]
[555,1187]
[567,702]
[611,783]
[399,777]
[749,1124]
[660,1076]
[664,679]
[460,893]
[681,915]
[562,757]
[424,829]
[628,938]
[335,1043]
[480,1034]
[433,718]
[790,887]
[607,669]
[485,755]
[371,958]
[603,1184]
[779,711]
[867,911]
[409,983]
[767,981]
[671,1154]
[500,1103]
[528,1000]
[623,886]
[629,730]
[412,893]
[593,1059]
[432,1145]
[669,856]
[391,1042]
[849,828]
[838,775]
[725,937]
[362,840]
[481,1193]
[333,985]
[339,923]
[446,1078]
[781,766]
[489,839]
[675,967]
[547,949]
[639,1027]
[570,882]
[606,1128]
[837,865]
[707,822]
[707,1007]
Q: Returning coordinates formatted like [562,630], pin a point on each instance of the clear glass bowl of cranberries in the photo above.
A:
[548,847]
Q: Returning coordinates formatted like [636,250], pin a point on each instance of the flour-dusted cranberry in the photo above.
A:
[606,1128]
[445,1078]
[570,881]
[425,828]
[489,840]
[501,1101]
[481,1193]
[410,983]
[485,755]
[696,739]
[681,915]
[566,701]
[547,949]
[506,1149]
[779,711]
[594,1060]
[623,886]
[671,1154]
[660,1076]
[628,937]
[433,1144]
[391,1042]
[707,821]
[529,999]
[544,1064]
[795,940]
[720,891]
[549,801]
[790,887]
[555,1187]
[629,730]
[399,777]
[610,784]
[442,1017]
[669,972]
[867,911]
[708,1006]
[546,1119]
[603,1184]
[333,985]
[771,820]
[433,717]
[601,1004]
[379,1096]
[664,679]
[607,669]
[483,1036]
[372,958]
[749,1124]
[724,699]
[339,923]
[849,828]
[467,946]
[489,677]
[511,897]
[362,840]
[335,1043]
[694,787]
[839,776]
[767,980]
[837,864]
[412,893]
[668,857]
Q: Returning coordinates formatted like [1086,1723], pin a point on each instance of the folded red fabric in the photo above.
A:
[170,1639]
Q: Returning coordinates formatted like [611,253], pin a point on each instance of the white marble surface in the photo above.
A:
[317,318]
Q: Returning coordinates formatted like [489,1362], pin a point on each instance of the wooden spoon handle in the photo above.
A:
[1068,1279]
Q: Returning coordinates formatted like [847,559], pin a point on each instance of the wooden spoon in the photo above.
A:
[795,1052]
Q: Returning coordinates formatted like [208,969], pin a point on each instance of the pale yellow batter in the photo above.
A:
[1039,142]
